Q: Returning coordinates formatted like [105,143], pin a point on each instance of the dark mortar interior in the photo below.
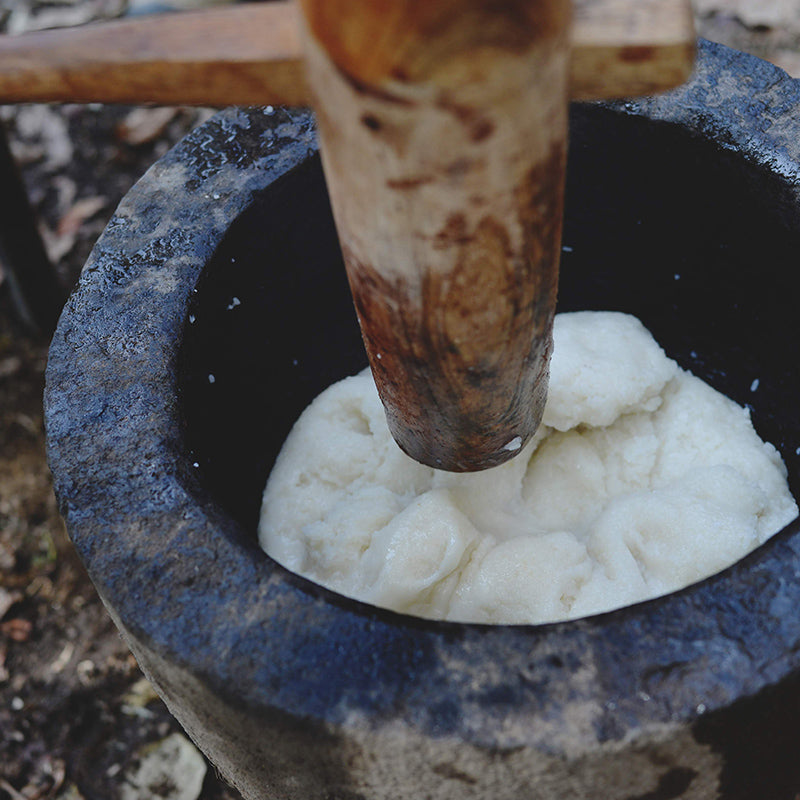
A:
[694,238]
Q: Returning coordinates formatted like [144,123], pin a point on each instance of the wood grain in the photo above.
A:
[238,55]
[445,167]
[252,55]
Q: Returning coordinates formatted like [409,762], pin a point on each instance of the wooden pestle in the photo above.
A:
[443,133]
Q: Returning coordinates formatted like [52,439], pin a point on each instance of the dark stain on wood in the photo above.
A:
[371,121]
[375,92]
[461,360]
[371,45]
[637,55]
[479,126]
[459,167]
[454,232]
[407,184]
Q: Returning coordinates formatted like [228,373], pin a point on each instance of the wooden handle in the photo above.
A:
[252,55]
[240,55]
[444,145]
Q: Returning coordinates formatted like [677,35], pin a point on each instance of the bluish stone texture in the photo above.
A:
[683,209]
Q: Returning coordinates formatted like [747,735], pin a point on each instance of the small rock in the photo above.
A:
[140,694]
[172,769]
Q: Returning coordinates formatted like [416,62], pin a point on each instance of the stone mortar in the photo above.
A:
[688,208]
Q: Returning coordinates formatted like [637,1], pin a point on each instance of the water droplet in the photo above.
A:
[754,385]
[211,378]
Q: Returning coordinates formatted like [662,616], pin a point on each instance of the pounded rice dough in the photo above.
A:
[641,480]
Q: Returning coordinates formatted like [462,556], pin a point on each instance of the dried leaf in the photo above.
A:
[140,694]
[144,125]
[47,779]
[11,791]
[63,658]
[50,778]
[18,630]
[45,127]
[57,246]
[27,423]
[58,243]
[81,210]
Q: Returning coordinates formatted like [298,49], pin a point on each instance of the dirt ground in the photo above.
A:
[77,719]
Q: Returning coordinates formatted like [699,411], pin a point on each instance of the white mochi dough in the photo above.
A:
[641,480]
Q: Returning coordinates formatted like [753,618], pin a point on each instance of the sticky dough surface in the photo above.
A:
[641,480]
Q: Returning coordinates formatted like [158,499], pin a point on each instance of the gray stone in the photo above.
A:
[682,209]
